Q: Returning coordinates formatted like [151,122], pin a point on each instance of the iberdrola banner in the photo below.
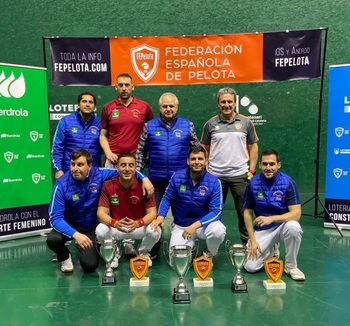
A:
[25,174]
[179,60]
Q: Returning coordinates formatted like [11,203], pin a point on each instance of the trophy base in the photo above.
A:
[108,280]
[239,288]
[206,283]
[139,282]
[280,285]
[181,297]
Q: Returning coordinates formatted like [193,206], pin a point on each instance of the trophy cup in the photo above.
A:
[139,268]
[237,254]
[181,257]
[274,271]
[108,250]
[202,267]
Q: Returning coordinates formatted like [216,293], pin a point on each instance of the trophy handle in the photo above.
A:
[166,252]
[227,250]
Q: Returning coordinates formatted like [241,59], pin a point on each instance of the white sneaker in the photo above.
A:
[129,250]
[67,265]
[54,257]
[276,250]
[147,255]
[206,253]
[295,273]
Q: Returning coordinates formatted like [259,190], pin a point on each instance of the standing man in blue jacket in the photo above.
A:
[73,210]
[164,145]
[196,197]
[80,129]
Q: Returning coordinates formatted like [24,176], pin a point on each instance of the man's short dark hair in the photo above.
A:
[196,150]
[270,151]
[126,155]
[80,96]
[124,75]
[79,153]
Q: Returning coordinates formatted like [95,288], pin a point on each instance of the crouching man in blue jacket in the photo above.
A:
[196,197]
[73,210]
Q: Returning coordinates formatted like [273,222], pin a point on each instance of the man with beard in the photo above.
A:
[80,129]
[273,197]
[73,209]
[122,122]
[196,197]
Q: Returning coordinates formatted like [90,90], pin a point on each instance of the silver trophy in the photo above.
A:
[237,254]
[180,258]
[108,250]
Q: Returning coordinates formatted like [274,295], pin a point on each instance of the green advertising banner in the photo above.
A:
[25,174]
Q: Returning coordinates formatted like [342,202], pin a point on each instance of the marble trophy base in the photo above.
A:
[206,283]
[134,282]
[270,285]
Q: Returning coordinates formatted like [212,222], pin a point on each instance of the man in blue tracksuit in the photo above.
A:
[273,198]
[80,129]
[196,197]
[73,209]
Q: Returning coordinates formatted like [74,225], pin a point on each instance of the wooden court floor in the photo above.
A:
[33,290]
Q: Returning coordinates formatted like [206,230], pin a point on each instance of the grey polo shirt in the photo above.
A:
[228,145]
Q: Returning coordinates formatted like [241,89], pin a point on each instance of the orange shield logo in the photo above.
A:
[203,266]
[139,266]
[274,268]
[145,60]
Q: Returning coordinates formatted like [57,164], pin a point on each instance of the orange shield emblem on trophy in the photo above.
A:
[203,266]
[139,267]
[274,269]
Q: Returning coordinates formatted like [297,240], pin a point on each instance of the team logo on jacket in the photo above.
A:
[202,190]
[115,200]
[145,60]
[94,130]
[278,195]
[115,114]
[182,188]
[178,133]
[75,197]
[158,133]
[74,130]
[260,195]
[134,200]
[93,187]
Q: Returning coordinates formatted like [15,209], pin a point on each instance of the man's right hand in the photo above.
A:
[113,158]
[83,241]
[58,174]
[159,221]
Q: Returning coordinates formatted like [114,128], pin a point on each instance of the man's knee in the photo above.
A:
[293,228]
[102,232]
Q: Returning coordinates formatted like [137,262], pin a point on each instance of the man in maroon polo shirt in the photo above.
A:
[123,211]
